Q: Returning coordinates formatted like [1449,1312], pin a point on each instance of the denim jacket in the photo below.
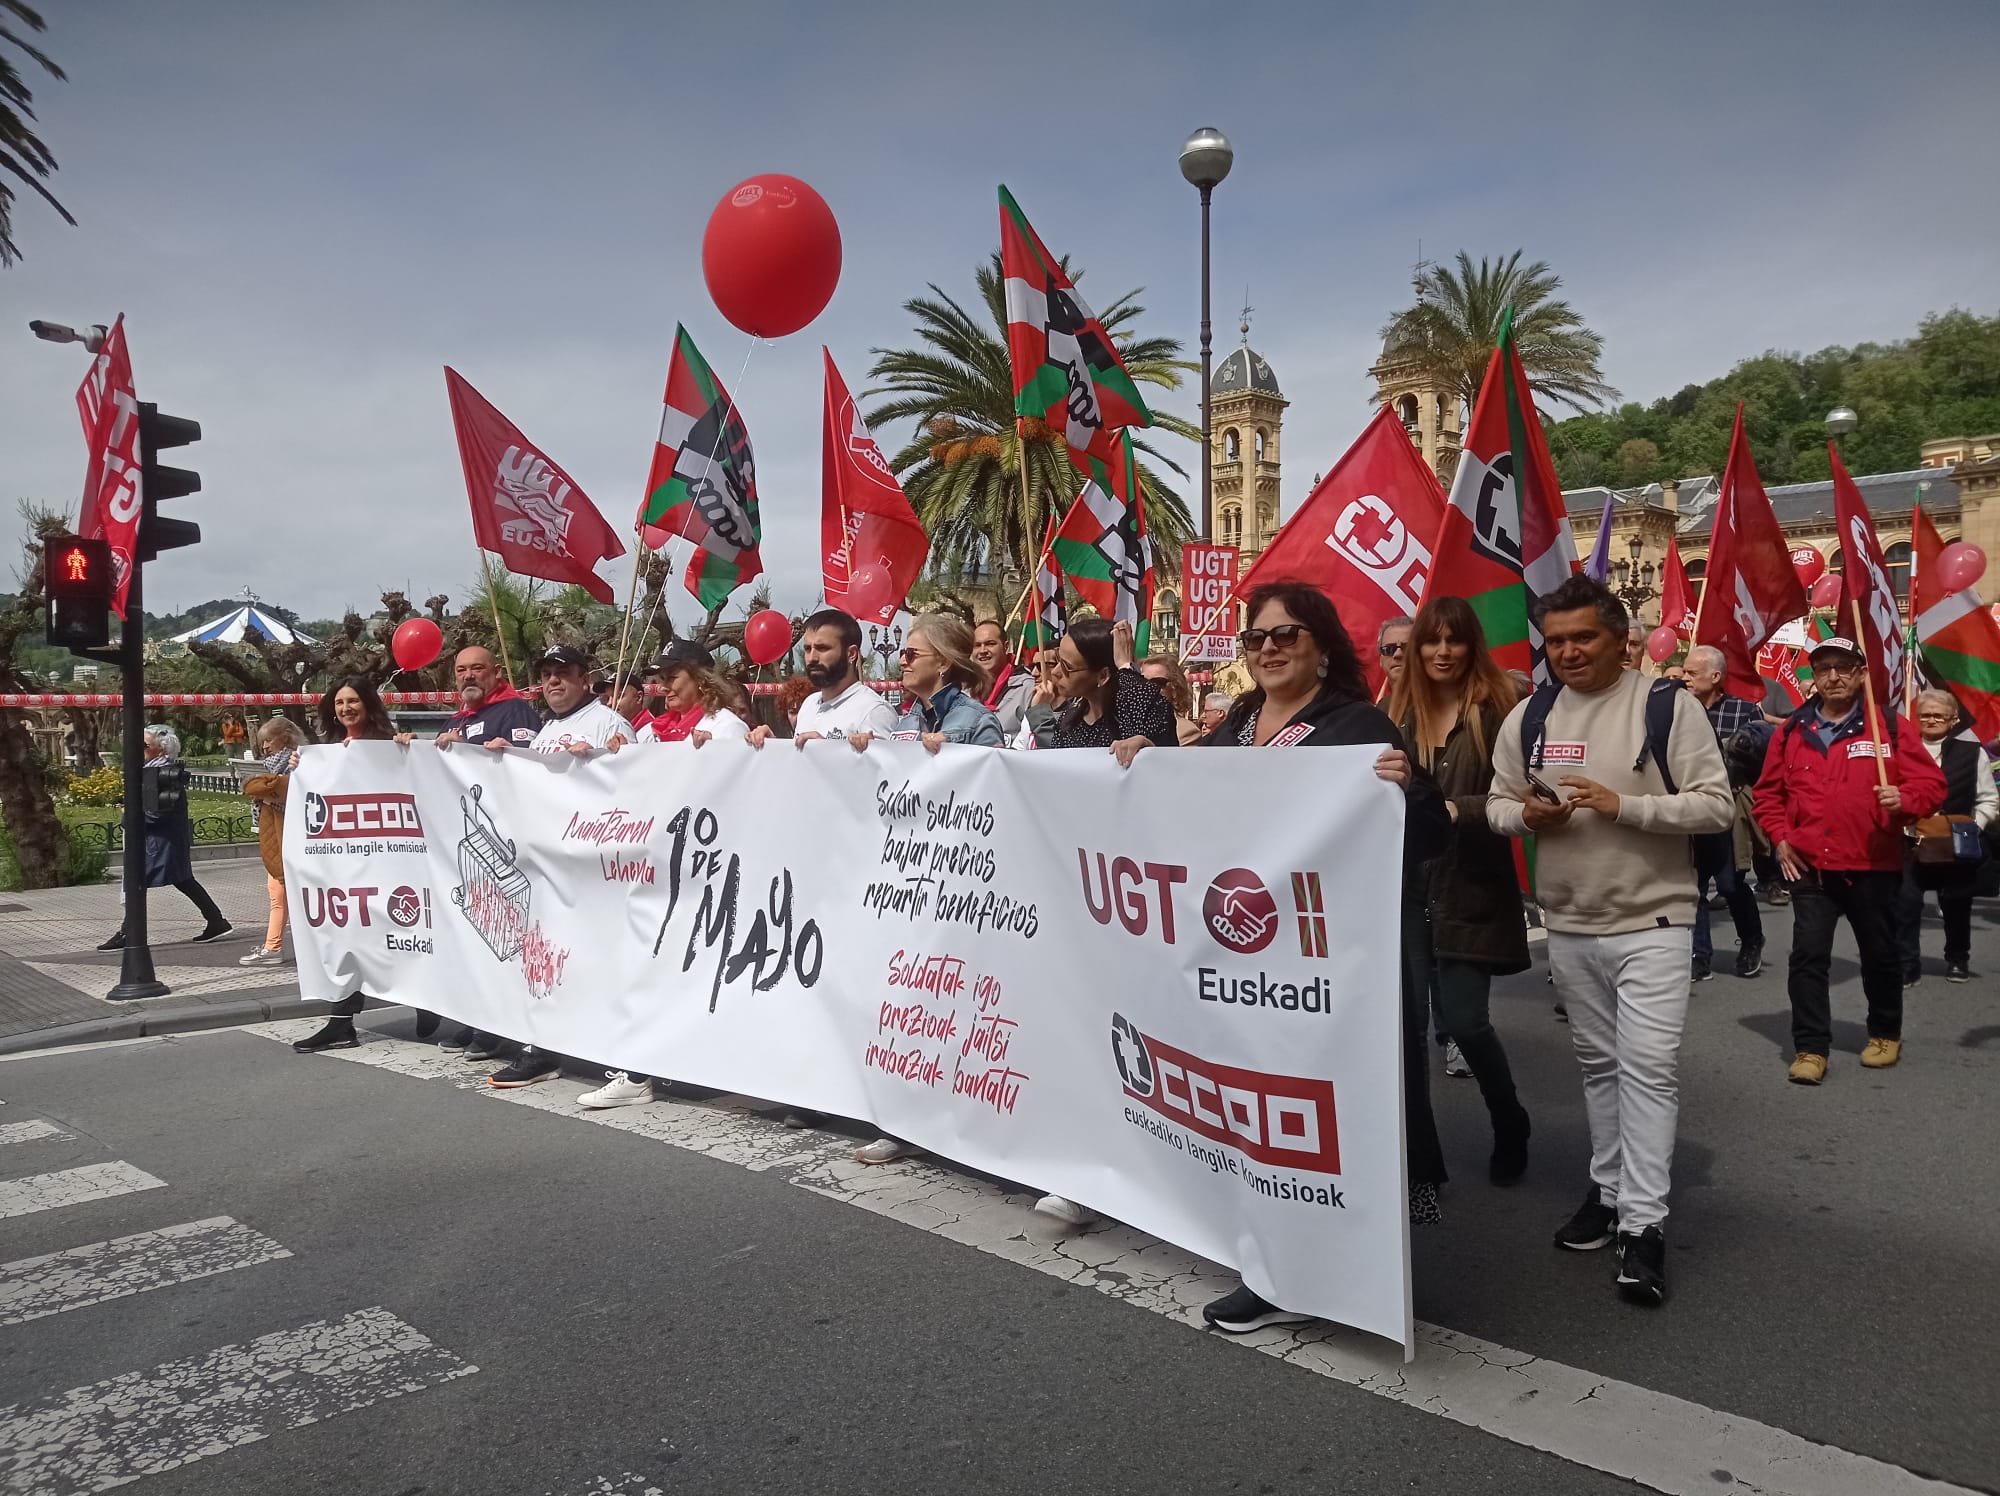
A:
[961,718]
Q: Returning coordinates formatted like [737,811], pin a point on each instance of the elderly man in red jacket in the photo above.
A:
[1838,830]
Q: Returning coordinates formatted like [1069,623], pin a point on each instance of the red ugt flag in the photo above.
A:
[1751,589]
[526,509]
[1865,581]
[1363,536]
[112,501]
[1677,609]
[864,519]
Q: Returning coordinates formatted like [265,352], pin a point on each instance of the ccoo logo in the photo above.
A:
[1128,1048]
[1240,912]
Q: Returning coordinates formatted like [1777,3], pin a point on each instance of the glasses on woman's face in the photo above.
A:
[1062,667]
[1284,635]
[910,656]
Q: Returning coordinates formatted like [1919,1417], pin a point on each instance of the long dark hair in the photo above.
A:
[1092,638]
[375,721]
[1312,608]
[1418,706]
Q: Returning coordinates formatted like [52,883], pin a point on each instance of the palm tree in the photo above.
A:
[962,470]
[22,153]
[1451,331]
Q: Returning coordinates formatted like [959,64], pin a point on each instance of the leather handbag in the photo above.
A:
[1949,839]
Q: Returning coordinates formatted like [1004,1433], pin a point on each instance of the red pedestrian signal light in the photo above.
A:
[80,581]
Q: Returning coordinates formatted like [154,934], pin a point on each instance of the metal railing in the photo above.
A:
[110,835]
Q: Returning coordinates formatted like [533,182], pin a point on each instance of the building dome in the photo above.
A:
[1244,369]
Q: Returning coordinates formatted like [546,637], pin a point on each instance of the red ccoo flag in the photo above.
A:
[1750,591]
[525,509]
[1363,535]
[864,519]
[1677,610]
[1864,581]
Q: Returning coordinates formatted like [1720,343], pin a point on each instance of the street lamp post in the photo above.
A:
[1839,421]
[1205,161]
[1634,588]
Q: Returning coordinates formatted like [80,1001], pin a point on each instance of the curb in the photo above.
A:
[151,1023]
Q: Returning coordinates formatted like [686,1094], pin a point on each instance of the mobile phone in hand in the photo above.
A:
[1539,788]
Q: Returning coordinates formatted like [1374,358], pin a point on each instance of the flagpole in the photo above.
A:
[493,600]
[1027,508]
[1868,688]
[631,597]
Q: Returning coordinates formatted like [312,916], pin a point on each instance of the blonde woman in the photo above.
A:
[945,688]
[278,742]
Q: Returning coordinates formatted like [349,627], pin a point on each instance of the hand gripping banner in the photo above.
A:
[1036,965]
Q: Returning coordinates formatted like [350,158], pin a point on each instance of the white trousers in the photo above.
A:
[1627,998]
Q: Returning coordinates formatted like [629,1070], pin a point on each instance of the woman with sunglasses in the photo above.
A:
[945,687]
[1463,923]
[1105,704]
[1310,693]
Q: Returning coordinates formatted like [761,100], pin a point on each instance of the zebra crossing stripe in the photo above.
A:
[19,1197]
[38,1286]
[28,1132]
[118,1431]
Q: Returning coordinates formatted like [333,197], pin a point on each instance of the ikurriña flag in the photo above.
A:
[1103,547]
[1750,589]
[1048,620]
[703,482]
[1066,369]
[1503,542]
[525,508]
[864,518]
[1956,635]
[1363,536]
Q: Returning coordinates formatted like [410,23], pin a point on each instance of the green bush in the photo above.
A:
[98,787]
[88,862]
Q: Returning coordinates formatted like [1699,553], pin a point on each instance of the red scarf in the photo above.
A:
[670,726]
[1000,678]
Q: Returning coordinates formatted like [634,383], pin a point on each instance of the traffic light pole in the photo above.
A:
[135,974]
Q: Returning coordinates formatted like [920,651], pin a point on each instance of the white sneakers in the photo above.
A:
[1454,1061]
[1067,1211]
[263,957]
[884,1151]
[619,1089]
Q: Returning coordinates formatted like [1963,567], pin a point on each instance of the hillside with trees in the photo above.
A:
[1945,381]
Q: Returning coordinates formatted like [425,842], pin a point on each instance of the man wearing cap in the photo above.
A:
[1838,830]
[843,705]
[491,713]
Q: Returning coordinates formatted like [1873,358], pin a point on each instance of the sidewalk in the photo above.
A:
[53,978]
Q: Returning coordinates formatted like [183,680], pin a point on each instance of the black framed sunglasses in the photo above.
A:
[1285,635]
[1389,651]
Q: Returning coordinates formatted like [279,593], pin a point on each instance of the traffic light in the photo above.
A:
[156,433]
[78,577]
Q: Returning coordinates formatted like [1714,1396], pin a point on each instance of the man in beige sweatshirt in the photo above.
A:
[1614,875]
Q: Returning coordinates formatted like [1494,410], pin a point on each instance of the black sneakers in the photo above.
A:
[115,943]
[1242,1311]
[215,929]
[1642,1265]
[484,1046]
[1593,1225]
[457,1041]
[1750,960]
[530,1069]
[1699,970]
[337,1034]
[1957,971]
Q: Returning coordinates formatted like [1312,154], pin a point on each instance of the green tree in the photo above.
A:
[1637,458]
[22,153]
[962,470]
[27,810]
[1451,331]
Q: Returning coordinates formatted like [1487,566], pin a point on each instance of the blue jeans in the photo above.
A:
[1742,909]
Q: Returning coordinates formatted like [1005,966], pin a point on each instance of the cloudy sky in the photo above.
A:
[304,211]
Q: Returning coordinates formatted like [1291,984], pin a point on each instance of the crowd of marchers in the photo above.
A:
[1636,793]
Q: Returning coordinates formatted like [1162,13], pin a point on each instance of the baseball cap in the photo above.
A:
[1835,645]
[563,654]
[681,652]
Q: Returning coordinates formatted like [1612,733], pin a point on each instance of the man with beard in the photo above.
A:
[843,704]
[1013,687]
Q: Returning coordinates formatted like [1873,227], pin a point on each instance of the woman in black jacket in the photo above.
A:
[1310,694]
[1463,922]
[169,849]
[1105,704]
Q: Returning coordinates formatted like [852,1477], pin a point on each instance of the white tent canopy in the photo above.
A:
[248,621]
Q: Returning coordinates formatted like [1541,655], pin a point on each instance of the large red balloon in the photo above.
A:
[416,643]
[1960,565]
[1661,644]
[771,255]
[767,636]
[1826,591]
[1809,564]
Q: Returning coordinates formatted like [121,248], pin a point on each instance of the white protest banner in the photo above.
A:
[1037,965]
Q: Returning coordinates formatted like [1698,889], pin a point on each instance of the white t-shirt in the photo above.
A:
[723,724]
[860,708]
[593,724]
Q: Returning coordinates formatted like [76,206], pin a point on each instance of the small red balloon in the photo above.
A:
[767,636]
[1960,565]
[1661,644]
[771,255]
[416,643]
[655,538]
[1826,591]
[1809,564]
[871,593]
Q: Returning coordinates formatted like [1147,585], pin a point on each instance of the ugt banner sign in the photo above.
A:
[1208,577]
[1030,963]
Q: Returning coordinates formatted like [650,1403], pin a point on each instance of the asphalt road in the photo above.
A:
[642,1317]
